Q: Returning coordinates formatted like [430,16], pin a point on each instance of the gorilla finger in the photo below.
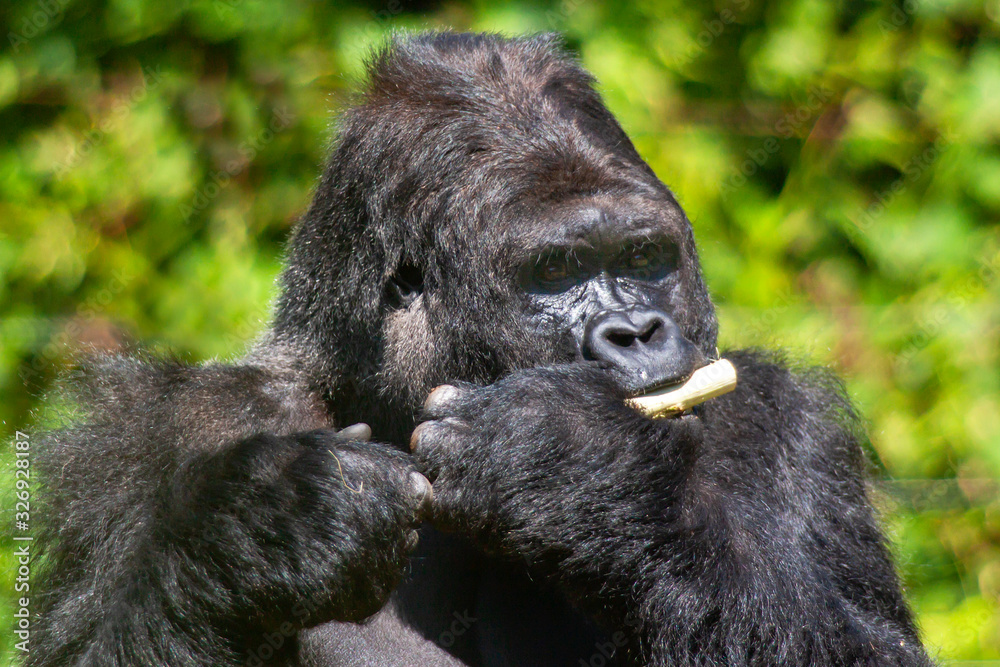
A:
[359,432]
[435,443]
[442,400]
[448,513]
[325,438]
[421,494]
[418,433]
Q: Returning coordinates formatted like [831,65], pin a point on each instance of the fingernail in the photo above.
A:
[415,437]
[359,431]
[420,488]
[440,396]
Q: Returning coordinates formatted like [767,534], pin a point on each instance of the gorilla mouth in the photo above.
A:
[663,385]
[666,379]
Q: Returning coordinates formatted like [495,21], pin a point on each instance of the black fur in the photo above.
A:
[211,515]
[740,536]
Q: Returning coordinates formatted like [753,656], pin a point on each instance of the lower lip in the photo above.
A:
[657,387]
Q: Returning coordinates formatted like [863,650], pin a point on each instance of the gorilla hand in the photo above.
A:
[302,529]
[550,465]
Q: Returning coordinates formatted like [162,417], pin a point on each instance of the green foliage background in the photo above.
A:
[839,160]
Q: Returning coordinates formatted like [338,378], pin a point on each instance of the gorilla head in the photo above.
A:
[481,216]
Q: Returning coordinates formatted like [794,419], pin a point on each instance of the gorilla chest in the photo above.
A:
[457,607]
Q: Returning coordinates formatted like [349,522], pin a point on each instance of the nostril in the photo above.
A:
[654,327]
[620,338]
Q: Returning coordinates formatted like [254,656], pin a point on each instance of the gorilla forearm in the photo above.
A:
[175,539]
[776,536]
[133,627]
[743,533]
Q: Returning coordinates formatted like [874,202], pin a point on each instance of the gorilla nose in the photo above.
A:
[643,345]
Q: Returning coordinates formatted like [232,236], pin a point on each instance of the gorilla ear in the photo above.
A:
[405,286]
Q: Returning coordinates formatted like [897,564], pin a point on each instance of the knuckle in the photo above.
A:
[417,435]
[360,432]
[441,396]
[435,433]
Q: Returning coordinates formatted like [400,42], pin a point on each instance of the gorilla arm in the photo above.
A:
[180,531]
[741,535]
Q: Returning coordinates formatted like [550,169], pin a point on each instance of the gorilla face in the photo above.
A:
[609,277]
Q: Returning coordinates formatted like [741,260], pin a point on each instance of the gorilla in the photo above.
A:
[483,226]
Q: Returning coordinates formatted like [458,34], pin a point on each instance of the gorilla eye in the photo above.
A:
[639,260]
[554,271]
[647,260]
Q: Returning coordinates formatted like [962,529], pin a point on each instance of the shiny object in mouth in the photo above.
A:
[707,382]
